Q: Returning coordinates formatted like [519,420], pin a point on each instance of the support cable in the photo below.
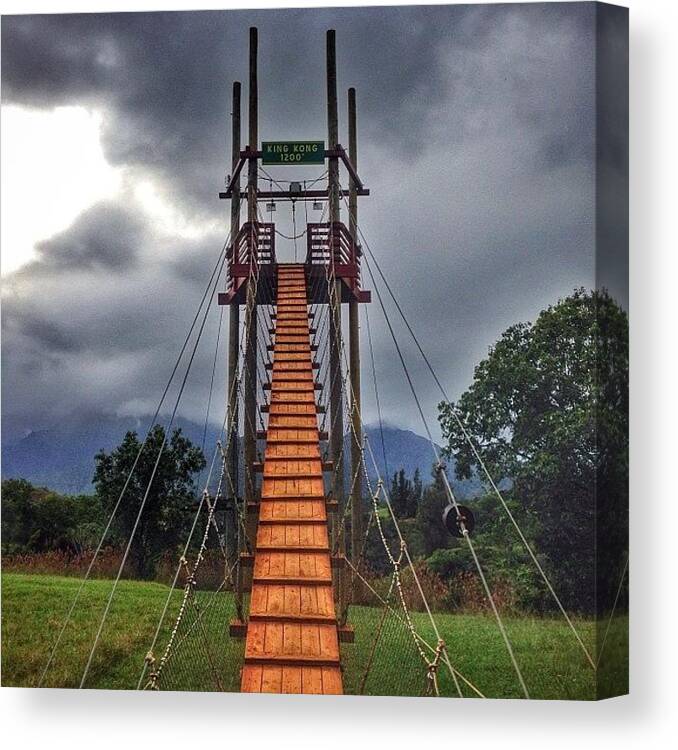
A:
[376,394]
[150,482]
[475,451]
[109,523]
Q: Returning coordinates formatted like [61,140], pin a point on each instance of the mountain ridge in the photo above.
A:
[62,457]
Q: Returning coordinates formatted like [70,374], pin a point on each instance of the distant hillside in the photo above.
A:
[406,450]
[62,458]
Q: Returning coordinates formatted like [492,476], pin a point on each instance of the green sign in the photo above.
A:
[293,152]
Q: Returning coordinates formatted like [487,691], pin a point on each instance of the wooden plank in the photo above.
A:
[251,678]
[331,681]
[311,680]
[291,679]
[292,643]
[271,679]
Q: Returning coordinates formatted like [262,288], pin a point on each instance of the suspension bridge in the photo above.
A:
[288,504]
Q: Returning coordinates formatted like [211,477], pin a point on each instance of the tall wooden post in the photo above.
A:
[250,380]
[234,327]
[336,410]
[354,357]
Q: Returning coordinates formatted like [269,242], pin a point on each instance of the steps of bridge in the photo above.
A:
[292,641]
[282,357]
[292,421]
[288,536]
[277,409]
[294,366]
[282,451]
[292,376]
[292,678]
[284,436]
[274,510]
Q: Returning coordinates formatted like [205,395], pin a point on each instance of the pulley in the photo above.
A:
[454,518]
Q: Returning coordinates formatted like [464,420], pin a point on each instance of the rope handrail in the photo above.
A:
[475,450]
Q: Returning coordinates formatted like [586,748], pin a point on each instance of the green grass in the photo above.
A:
[33,608]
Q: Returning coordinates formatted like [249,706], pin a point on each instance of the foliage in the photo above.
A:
[432,532]
[405,494]
[168,497]
[35,520]
[548,409]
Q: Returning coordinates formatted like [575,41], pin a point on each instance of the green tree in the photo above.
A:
[548,409]
[401,487]
[36,519]
[405,494]
[163,523]
[432,534]
[417,493]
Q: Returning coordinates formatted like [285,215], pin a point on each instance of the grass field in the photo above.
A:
[33,608]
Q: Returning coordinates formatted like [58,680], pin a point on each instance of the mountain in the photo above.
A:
[406,450]
[62,457]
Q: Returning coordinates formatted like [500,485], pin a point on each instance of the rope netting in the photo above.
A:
[197,653]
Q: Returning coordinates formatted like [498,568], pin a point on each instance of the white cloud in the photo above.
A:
[166,216]
[53,168]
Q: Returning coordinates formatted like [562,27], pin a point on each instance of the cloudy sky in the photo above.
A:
[477,140]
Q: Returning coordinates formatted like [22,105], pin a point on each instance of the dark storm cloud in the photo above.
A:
[164,78]
[476,138]
[101,338]
[107,236]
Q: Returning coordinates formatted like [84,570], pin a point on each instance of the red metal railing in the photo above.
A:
[331,243]
[254,246]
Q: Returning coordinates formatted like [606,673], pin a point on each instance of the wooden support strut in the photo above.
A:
[354,373]
[334,153]
[234,331]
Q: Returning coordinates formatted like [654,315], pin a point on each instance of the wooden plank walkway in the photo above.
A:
[292,641]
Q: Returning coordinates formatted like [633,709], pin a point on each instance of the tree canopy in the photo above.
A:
[163,523]
[36,519]
[548,411]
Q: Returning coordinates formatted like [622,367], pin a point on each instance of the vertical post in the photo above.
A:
[234,326]
[332,124]
[253,122]
[354,359]
[336,411]
[250,380]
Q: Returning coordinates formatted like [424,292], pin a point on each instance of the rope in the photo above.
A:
[109,523]
[614,608]
[422,640]
[475,451]
[340,345]
[453,500]
[148,488]
[237,385]
[211,521]
[450,494]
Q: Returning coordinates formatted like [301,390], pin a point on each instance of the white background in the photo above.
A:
[647,719]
